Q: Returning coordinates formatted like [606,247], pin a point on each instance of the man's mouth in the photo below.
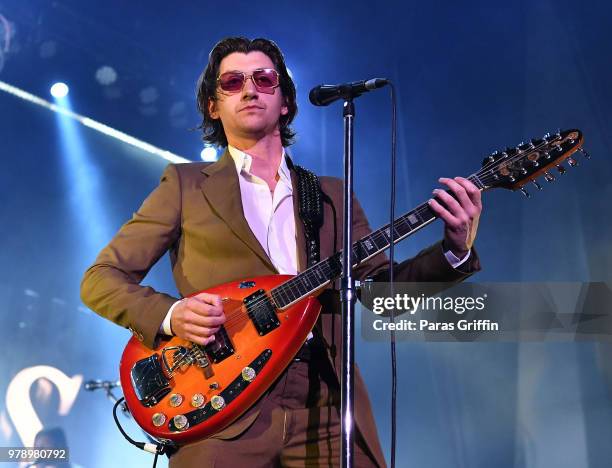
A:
[246,108]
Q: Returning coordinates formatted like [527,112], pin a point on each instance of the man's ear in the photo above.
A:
[284,109]
[212,109]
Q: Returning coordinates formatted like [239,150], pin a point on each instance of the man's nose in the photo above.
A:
[249,89]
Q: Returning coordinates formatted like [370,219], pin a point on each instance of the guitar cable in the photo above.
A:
[391,278]
[158,449]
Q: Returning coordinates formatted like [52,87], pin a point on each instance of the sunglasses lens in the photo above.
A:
[231,81]
[265,78]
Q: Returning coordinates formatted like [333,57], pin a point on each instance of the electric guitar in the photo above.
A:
[182,391]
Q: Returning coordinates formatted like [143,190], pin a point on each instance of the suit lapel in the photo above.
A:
[222,190]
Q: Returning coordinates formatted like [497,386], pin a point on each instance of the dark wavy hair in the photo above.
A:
[207,86]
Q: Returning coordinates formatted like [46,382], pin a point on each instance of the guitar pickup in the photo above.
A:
[221,348]
[261,312]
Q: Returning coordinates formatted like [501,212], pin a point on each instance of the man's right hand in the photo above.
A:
[198,318]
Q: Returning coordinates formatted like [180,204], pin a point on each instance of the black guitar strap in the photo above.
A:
[310,202]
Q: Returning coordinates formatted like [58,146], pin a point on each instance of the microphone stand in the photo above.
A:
[348,293]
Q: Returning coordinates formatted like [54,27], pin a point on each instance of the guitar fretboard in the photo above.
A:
[331,268]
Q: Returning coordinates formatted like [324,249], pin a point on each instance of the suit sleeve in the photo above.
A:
[111,286]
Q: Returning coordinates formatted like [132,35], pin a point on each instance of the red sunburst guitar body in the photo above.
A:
[177,391]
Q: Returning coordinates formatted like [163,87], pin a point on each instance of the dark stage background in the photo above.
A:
[473,77]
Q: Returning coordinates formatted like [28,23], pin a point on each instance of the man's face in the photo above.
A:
[247,113]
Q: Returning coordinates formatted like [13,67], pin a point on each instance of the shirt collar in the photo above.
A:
[243,162]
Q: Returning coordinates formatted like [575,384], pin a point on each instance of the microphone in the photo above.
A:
[92,385]
[323,95]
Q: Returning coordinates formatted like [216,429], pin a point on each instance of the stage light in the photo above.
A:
[209,154]
[59,90]
[93,124]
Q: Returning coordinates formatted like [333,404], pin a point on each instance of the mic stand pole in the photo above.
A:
[348,293]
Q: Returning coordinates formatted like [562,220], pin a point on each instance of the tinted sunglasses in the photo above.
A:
[264,79]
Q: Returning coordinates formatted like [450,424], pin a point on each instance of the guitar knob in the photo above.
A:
[197,400]
[525,192]
[180,421]
[175,400]
[572,162]
[248,374]
[158,419]
[548,177]
[538,186]
[217,402]
[561,169]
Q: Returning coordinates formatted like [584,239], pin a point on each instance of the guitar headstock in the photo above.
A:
[515,167]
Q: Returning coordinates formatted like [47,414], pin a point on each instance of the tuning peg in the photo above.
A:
[572,162]
[584,153]
[525,192]
[547,155]
[561,169]
[547,136]
[511,178]
[548,177]
[538,186]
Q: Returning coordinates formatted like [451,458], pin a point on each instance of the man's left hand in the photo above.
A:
[459,213]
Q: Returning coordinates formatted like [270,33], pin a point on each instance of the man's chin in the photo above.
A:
[258,130]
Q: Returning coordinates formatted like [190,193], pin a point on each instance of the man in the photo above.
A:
[238,218]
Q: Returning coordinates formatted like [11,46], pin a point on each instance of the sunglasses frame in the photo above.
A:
[245,77]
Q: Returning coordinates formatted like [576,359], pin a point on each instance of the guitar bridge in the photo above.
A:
[149,381]
[262,312]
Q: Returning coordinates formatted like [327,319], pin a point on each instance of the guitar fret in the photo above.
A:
[309,282]
[279,297]
[413,219]
[369,245]
[476,181]
[402,227]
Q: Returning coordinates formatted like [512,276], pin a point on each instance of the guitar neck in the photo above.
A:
[331,268]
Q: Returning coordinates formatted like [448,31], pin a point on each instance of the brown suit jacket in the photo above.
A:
[196,214]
